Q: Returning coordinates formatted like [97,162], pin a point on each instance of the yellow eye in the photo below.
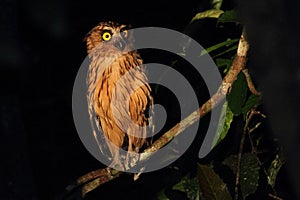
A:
[106,36]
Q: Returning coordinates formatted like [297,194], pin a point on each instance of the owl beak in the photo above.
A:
[120,43]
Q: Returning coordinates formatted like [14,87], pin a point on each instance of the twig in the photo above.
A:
[250,83]
[250,114]
[249,131]
[254,151]
[275,197]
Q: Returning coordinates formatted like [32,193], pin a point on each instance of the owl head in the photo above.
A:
[109,33]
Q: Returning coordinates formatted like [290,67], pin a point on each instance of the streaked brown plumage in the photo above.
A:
[111,65]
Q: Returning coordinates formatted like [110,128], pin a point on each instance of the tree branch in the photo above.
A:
[96,178]
[89,182]
[237,66]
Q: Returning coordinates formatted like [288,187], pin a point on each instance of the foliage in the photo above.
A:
[211,185]
[223,128]
[274,169]
[229,16]
[237,95]
[250,103]
[213,13]
[207,183]
[249,172]
[190,186]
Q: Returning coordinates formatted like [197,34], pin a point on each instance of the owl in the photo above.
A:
[118,93]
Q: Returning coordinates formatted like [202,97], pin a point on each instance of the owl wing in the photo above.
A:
[140,107]
[132,100]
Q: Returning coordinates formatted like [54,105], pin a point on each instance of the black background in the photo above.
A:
[41,49]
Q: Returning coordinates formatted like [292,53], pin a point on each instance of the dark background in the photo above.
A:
[41,49]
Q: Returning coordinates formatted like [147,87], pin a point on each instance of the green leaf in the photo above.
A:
[229,16]
[249,172]
[226,43]
[234,47]
[211,185]
[224,124]
[237,96]
[251,101]
[190,186]
[216,3]
[220,62]
[274,169]
[162,196]
[213,13]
